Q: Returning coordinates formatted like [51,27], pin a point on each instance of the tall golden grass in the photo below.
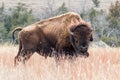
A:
[102,64]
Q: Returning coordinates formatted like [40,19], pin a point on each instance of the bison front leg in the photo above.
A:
[58,53]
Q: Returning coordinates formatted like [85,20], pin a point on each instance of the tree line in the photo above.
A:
[106,26]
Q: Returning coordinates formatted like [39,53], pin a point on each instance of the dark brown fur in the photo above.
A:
[46,35]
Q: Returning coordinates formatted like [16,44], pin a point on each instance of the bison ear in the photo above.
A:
[91,30]
[91,37]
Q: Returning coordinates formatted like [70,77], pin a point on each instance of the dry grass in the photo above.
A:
[102,64]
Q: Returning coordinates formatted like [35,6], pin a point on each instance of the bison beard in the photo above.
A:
[66,33]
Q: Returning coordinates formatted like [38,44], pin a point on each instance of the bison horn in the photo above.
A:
[71,33]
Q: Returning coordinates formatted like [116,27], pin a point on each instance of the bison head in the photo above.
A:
[80,36]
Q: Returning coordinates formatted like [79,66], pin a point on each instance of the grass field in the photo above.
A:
[102,64]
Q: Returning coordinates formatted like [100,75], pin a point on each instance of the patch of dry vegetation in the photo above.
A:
[102,64]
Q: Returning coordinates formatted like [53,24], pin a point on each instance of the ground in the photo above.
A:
[102,64]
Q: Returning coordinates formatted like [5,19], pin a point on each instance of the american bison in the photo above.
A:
[66,32]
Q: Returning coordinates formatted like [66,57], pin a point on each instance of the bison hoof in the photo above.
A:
[15,61]
[86,55]
[46,56]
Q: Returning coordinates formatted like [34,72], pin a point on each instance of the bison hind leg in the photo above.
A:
[18,58]
[27,56]
[27,53]
[23,56]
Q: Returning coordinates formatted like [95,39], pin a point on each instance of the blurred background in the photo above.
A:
[104,16]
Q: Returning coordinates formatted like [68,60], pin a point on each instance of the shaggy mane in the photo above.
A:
[62,18]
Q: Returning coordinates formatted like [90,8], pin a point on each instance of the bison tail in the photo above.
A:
[13,32]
